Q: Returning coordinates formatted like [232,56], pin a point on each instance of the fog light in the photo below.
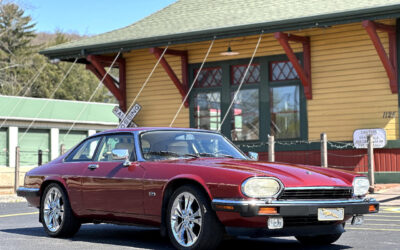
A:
[275,222]
[357,220]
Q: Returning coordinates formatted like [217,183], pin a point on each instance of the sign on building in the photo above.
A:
[126,120]
[360,137]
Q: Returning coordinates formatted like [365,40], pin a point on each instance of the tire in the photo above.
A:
[56,214]
[197,226]
[318,239]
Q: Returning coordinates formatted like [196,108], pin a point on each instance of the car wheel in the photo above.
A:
[191,222]
[319,239]
[56,213]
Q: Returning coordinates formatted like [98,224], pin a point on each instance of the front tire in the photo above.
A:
[318,239]
[56,214]
[191,222]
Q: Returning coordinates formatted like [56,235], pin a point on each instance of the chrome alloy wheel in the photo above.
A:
[186,219]
[53,210]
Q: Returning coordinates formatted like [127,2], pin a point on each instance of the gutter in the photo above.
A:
[386,12]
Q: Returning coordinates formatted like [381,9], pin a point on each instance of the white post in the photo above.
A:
[371,164]
[91,132]
[271,148]
[54,141]
[324,150]
[12,145]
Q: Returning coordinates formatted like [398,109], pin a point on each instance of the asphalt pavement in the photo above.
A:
[20,229]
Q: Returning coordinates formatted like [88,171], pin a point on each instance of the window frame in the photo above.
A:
[264,97]
[68,158]
[132,157]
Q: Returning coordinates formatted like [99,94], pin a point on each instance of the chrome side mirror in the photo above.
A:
[253,156]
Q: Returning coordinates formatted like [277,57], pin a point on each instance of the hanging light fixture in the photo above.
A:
[229,51]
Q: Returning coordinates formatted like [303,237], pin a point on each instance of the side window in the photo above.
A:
[122,141]
[85,151]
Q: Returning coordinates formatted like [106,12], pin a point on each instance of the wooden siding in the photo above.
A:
[350,86]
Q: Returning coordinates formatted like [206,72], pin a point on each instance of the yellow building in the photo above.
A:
[303,68]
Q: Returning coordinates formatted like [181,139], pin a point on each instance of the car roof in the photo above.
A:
[151,129]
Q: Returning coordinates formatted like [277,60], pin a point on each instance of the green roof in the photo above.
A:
[193,20]
[56,110]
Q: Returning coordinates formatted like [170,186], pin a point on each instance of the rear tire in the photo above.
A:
[191,222]
[318,239]
[56,214]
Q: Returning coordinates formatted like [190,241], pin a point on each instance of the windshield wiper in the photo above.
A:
[169,153]
[215,155]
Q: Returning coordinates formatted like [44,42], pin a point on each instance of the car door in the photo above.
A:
[73,168]
[108,186]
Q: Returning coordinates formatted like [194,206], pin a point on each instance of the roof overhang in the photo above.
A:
[386,12]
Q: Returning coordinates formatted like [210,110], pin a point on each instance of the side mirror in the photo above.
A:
[253,156]
[120,154]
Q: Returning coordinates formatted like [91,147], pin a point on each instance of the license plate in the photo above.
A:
[327,214]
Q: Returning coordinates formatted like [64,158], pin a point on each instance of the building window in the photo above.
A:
[282,70]
[207,111]
[270,102]
[285,112]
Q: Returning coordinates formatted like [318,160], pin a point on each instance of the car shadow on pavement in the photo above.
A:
[136,237]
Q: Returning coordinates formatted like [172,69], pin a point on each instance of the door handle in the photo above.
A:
[93,166]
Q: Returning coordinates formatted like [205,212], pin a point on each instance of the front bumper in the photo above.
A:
[287,208]
[28,192]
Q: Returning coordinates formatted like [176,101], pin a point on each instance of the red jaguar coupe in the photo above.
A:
[196,186]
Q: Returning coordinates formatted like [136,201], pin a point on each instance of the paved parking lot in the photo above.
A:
[21,230]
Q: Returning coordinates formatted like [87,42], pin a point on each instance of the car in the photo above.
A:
[196,186]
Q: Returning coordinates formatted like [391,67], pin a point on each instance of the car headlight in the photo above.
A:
[261,187]
[360,186]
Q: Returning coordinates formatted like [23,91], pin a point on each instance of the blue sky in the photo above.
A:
[89,17]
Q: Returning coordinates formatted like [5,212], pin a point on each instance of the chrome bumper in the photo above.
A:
[248,208]
[28,192]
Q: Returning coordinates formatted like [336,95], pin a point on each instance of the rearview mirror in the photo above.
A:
[253,156]
[120,154]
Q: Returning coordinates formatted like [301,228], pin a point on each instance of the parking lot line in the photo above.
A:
[379,220]
[391,225]
[381,216]
[373,229]
[10,215]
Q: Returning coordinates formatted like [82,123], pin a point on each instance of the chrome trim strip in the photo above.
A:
[289,202]
[30,190]
[25,192]
[317,188]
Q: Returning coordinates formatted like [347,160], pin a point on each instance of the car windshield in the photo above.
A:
[166,145]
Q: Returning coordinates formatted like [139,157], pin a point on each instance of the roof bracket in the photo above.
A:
[389,61]
[304,73]
[117,87]
[181,86]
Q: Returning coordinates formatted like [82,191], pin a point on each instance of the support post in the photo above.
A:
[62,149]
[324,150]
[371,164]
[271,148]
[40,157]
[17,164]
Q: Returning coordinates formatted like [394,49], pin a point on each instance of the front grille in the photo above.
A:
[316,193]
[305,221]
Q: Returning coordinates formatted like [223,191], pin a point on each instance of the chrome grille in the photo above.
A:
[316,193]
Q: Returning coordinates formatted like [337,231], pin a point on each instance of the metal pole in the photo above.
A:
[16,174]
[271,148]
[324,150]
[40,157]
[62,149]
[371,164]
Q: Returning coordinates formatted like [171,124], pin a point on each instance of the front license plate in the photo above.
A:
[326,214]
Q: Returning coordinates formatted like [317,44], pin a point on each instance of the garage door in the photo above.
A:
[30,144]
[71,139]
[3,147]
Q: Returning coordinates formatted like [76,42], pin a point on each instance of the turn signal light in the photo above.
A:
[222,207]
[267,210]
[372,208]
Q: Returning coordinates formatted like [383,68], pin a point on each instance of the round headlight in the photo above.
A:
[360,186]
[261,187]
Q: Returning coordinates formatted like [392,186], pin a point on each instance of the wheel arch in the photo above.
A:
[174,184]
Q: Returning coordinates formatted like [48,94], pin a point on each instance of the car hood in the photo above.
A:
[289,174]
